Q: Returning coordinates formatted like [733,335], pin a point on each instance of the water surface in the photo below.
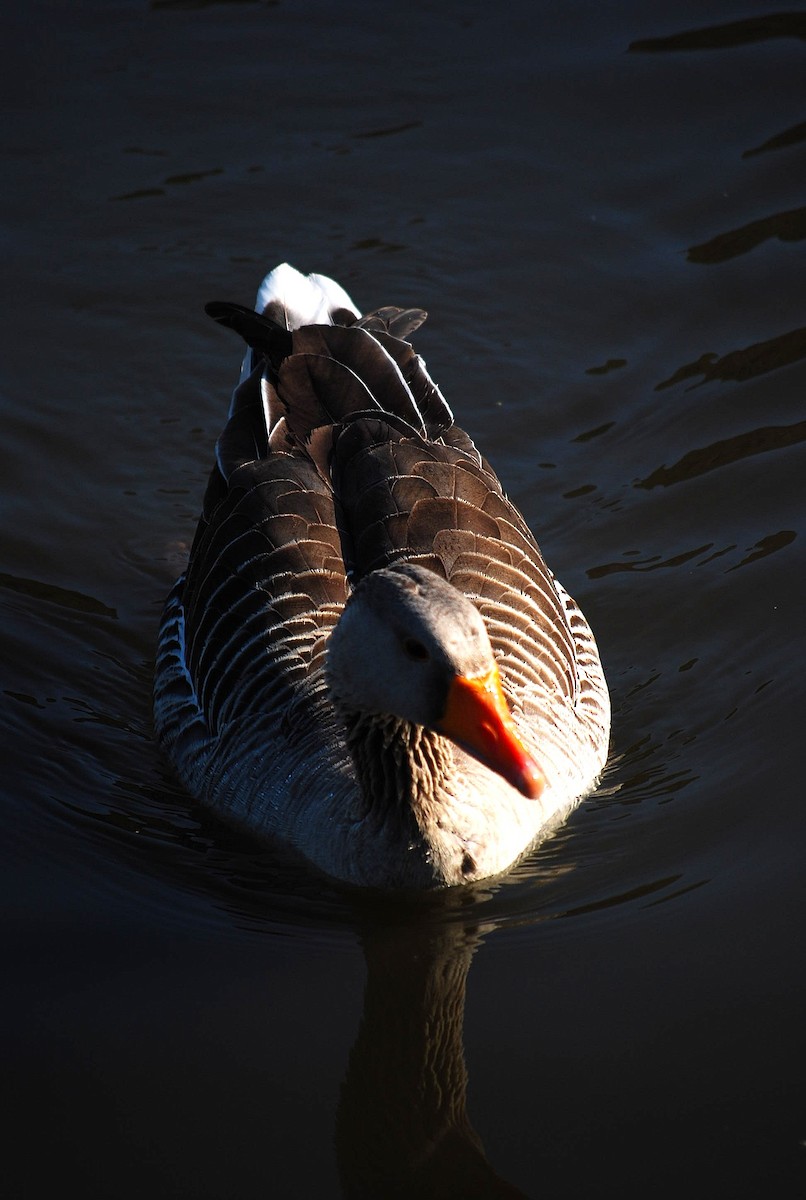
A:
[602,208]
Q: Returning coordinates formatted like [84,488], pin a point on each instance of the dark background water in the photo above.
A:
[602,208]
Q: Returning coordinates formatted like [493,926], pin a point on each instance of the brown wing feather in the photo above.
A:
[404,497]
[266,581]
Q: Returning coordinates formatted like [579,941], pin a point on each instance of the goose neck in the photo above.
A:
[398,765]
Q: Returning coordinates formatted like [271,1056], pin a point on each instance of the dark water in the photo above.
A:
[602,207]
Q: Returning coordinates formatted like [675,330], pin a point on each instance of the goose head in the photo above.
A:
[410,646]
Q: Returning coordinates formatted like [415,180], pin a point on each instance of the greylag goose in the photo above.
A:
[367,658]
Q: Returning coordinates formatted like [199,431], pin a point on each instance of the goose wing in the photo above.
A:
[435,501]
[267,577]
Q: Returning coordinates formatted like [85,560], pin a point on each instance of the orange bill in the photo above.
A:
[478,719]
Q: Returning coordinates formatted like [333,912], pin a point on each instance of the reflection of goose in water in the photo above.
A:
[368,658]
[402,1128]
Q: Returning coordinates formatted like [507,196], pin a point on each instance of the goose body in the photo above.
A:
[367,658]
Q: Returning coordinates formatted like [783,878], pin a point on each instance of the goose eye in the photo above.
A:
[415,650]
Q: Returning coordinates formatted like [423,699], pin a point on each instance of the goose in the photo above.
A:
[367,660]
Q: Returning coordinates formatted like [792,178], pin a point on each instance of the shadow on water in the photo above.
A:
[726,451]
[740,365]
[723,37]
[402,1124]
[786,226]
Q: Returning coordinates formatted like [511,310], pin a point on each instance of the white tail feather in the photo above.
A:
[297,299]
